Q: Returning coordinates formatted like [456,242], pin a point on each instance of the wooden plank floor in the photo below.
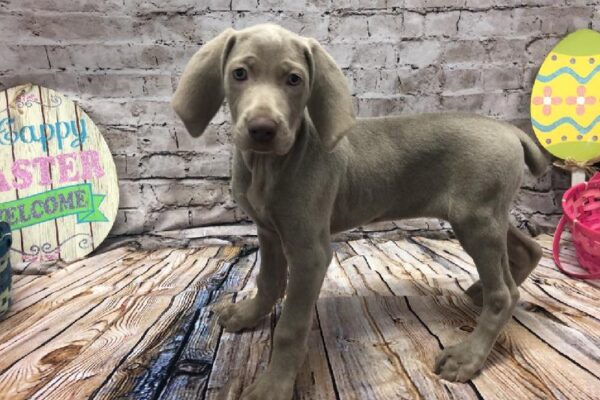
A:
[138,325]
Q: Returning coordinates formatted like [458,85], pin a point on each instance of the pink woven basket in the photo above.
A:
[581,207]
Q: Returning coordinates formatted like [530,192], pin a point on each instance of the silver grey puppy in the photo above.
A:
[305,168]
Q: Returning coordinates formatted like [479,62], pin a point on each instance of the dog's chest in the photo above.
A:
[252,195]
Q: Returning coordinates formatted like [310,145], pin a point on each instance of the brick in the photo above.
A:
[216,215]
[143,7]
[133,112]
[200,164]
[129,222]
[343,53]
[15,57]
[184,28]
[71,5]
[130,194]
[120,139]
[426,80]
[419,53]
[541,184]
[503,78]
[503,105]
[189,217]
[374,55]
[156,138]
[189,192]
[116,84]
[359,4]
[385,27]
[442,24]
[422,104]
[555,20]
[395,105]
[244,5]
[424,4]
[463,52]
[306,24]
[120,56]
[128,165]
[384,81]
[215,137]
[479,25]
[536,202]
[506,51]
[348,28]
[461,80]
[380,106]
[283,5]
[413,25]
[64,83]
[472,102]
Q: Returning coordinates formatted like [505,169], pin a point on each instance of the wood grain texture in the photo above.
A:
[139,325]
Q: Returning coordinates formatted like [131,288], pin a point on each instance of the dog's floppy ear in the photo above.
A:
[200,90]
[330,103]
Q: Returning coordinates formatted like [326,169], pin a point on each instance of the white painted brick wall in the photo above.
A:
[121,60]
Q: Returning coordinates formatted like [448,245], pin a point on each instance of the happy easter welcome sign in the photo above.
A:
[58,182]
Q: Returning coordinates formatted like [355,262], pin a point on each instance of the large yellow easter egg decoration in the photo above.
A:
[565,100]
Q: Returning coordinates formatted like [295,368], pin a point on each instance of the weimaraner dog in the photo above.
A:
[304,168]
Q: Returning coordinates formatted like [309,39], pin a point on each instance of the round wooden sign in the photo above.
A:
[58,183]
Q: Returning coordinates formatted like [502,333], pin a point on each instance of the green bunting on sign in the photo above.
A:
[57,203]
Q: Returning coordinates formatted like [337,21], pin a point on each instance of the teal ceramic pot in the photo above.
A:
[5,270]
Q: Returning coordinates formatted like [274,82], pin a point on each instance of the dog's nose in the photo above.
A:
[262,129]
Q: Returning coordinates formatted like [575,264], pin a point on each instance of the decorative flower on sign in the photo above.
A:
[580,101]
[547,100]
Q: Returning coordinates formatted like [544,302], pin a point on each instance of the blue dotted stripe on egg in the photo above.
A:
[568,70]
[566,120]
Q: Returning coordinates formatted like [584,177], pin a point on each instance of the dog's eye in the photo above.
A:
[240,74]
[294,79]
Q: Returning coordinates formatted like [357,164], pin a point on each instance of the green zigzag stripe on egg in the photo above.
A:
[569,71]
[566,120]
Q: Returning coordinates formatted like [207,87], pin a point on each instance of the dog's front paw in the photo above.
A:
[460,362]
[269,387]
[242,315]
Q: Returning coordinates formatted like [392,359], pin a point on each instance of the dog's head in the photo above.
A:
[269,75]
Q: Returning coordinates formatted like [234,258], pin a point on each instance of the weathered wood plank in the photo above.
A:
[232,372]
[446,319]
[537,290]
[160,344]
[146,330]
[379,329]
[239,357]
[18,281]
[51,318]
[315,380]
[78,275]
[144,301]
[578,295]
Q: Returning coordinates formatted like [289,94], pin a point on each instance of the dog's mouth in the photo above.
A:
[278,145]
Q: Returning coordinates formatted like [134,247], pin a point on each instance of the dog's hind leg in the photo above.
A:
[271,283]
[524,254]
[484,239]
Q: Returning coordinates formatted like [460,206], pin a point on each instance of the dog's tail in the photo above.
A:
[534,158]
